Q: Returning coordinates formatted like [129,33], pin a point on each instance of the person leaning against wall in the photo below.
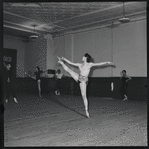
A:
[8,83]
[124,84]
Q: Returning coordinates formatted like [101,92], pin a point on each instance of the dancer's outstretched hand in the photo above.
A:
[111,64]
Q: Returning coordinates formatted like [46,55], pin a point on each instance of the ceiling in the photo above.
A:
[58,18]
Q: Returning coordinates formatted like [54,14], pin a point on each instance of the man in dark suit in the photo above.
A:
[8,83]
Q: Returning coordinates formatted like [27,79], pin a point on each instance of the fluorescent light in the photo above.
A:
[34,36]
[124,20]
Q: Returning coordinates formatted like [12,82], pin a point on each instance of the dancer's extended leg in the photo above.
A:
[83,93]
[73,74]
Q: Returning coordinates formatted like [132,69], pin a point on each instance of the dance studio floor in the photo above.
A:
[60,121]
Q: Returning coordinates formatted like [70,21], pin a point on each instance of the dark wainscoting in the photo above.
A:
[101,87]
[137,88]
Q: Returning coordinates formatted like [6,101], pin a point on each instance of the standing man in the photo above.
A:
[124,79]
[8,83]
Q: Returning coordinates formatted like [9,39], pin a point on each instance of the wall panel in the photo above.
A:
[18,44]
[130,49]
[98,44]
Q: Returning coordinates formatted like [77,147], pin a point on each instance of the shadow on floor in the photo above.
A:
[55,100]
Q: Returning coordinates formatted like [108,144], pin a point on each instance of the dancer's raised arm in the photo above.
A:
[102,64]
[69,62]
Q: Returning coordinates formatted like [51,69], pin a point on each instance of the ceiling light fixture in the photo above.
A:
[124,19]
[34,36]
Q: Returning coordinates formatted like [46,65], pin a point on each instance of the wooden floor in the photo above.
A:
[60,121]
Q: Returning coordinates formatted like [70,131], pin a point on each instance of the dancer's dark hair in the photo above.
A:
[89,58]
[124,71]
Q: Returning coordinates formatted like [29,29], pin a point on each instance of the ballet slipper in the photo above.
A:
[55,92]
[59,60]
[125,99]
[15,100]
[87,114]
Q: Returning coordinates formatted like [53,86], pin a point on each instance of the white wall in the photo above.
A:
[130,49]
[126,47]
[28,57]
[36,54]
[59,50]
[39,53]
[98,44]
[127,51]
